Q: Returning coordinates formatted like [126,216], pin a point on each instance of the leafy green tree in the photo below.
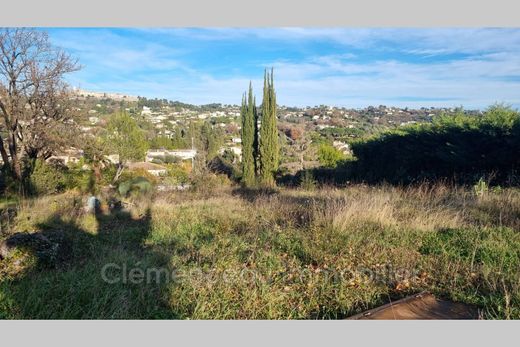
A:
[249,116]
[161,142]
[269,149]
[207,142]
[48,178]
[181,139]
[126,139]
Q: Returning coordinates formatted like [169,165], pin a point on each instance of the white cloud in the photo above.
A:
[486,71]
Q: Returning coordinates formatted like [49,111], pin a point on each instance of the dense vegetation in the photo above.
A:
[455,147]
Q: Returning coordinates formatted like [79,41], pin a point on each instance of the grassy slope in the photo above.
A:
[291,254]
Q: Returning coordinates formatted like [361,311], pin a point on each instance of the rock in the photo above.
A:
[114,204]
[25,240]
[93,204]
[46,246]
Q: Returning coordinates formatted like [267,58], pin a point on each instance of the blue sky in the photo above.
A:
[334,66]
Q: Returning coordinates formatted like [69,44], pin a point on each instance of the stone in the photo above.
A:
[93,204]
[47,247]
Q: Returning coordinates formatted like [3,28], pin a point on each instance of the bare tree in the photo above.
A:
[34,109]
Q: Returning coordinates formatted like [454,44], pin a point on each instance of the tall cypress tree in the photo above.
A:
[269,151]
[248,113]
[255,140]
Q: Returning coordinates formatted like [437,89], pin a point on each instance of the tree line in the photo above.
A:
[456,148]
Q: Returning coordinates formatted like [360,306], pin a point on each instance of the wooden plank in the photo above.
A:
[420,306]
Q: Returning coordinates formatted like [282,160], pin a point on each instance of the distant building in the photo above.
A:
[146,111]
[151,168]
[113,158]
[184,154]
[101,95]
[236,150]
[71,155]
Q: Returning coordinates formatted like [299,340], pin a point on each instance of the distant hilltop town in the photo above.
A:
[104,95]
[171,128]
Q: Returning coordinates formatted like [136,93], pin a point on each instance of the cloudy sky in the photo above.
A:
[344,67]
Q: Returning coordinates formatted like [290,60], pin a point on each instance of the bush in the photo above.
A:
[48,179]
[481,187]
[136,173]
[227,164]
[210,182]
[178,174]
[330,156]
[107,174]
[135,186]
[157,161]
[307,181]
[172,159]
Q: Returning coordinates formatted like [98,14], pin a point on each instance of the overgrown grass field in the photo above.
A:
[283,254]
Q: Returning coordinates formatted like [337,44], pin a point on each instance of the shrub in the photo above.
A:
[48,179]
[307,181]
[157,161]
[108,174]
[172,159]
[136,173]
[227,164]
[81,179]
[210,182]
[330,156]
[178,174]
[480,188]
[135,186]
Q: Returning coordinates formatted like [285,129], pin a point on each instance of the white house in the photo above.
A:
[113,158]
[184,154]
[146,111]
[236,150]
[71,155]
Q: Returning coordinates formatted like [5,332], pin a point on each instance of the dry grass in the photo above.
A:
[328,253]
